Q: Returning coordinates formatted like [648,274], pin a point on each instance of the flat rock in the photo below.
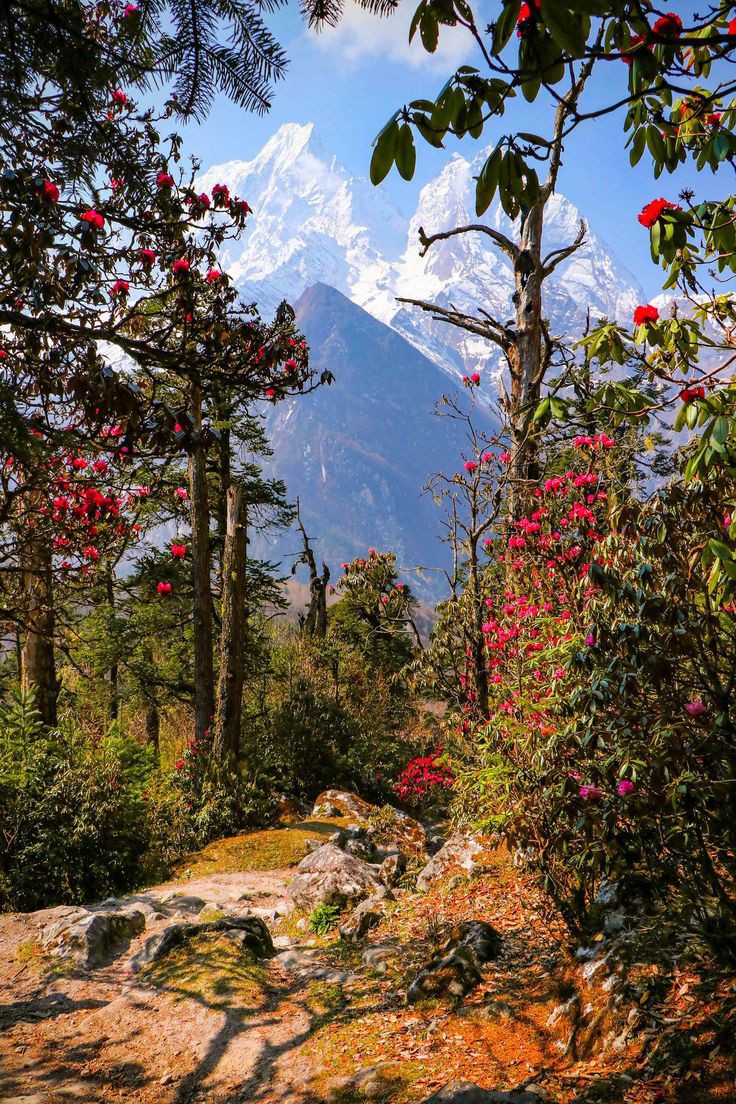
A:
[330,876]
[249,932]
[89,938]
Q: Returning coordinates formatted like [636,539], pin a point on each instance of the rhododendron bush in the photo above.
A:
[609,746]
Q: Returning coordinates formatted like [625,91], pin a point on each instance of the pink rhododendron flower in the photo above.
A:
[591,792]
[696,708]
[625,787]
[163,588]
[181,492]
[470,466]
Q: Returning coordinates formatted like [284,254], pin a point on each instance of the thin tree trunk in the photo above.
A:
[37,662]
[113,672]
[204,681]
[153,727]
[226,746]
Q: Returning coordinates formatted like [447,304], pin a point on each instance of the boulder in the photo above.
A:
[391,869]
[249,932]
[341,803]
[378,956]
[354,840]
[330,876]
[459,853]
[366,916]
[390,828]
[464,1092]
[89,938]
[456,967]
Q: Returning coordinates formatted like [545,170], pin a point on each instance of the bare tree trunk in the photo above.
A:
[153,727]
[113,672]
[478,642]
[526,362]
[37,663]
[226,745]
[204,680]
[315,620]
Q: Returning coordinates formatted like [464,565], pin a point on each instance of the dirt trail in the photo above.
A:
[315,1023]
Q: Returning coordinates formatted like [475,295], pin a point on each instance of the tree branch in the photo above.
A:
[505,244]
[492,331]
[557,256]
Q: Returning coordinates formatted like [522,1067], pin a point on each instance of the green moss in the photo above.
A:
[272,849]
[213,971]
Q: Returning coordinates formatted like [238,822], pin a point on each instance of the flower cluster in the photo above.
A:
[423,778]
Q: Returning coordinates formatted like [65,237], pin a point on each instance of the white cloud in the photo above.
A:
[361,35]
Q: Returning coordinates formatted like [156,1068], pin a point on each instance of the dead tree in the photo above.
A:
[314,621]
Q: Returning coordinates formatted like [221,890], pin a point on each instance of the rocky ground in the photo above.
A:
[213,987]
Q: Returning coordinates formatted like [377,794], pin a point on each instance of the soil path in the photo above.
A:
[322,1020]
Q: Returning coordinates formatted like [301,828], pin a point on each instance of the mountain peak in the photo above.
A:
[289,142]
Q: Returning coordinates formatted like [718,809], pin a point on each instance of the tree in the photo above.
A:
[561,51]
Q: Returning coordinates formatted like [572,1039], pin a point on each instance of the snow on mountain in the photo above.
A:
[314,222]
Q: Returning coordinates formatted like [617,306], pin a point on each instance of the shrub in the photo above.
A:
[72,820]
[324,918]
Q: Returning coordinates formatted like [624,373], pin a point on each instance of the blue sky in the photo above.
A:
[348,82]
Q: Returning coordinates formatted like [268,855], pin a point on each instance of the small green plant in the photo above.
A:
[324,918]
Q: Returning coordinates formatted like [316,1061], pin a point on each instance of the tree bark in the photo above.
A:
[226,745]
[204,681]
[37,662]
[153,727]
[526,362]
[113,672]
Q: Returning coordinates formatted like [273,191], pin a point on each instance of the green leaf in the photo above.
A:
[430,31]
[385,151]
[719,549]
[567,28]
[504,27]
[406,154]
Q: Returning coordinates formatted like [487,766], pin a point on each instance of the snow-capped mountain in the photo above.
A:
[314,222]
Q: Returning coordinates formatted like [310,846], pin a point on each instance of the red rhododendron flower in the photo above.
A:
[690,394]
[470,466]
[147,257]
[120,287]
[182,265]
[94,218]
[79,463]
[645,314]
[475,378]
[163,588]
[269,393]
[526,20]
[50,191]
[290,366]
[90,552]
[213,275]
[653,210]
[732,28]
[130,9]
[245,207]
[221,195]
[178,551]
[119,97]
[669,25]
[505,457]
[164,180]
[713,119]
